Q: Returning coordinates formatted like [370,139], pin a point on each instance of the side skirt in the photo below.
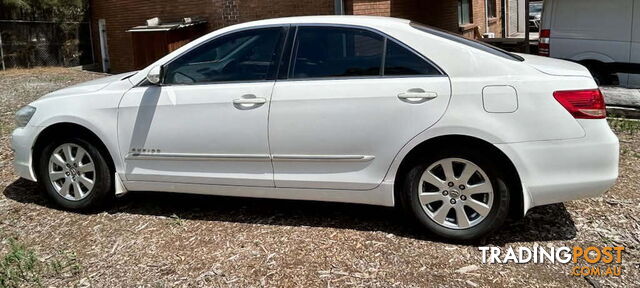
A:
[381,196]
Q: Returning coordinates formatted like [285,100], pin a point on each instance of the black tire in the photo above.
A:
[102,191]
[497,175]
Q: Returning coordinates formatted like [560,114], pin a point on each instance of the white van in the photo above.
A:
[602,35]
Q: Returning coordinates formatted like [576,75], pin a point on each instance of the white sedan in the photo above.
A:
[369,110]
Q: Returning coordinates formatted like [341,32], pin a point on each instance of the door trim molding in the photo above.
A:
[347,158]
[197,157]
[246,157]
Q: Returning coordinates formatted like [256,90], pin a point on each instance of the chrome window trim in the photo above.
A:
[213,83]
[360,78]
[290,56]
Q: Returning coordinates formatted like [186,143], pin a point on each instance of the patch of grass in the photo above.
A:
[67,263]
[22,267]
[176,220]
[19,267]
[622,125]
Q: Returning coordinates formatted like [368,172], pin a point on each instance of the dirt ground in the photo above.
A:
[168,240]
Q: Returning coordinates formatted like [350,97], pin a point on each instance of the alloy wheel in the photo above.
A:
[71,171]
[455,193]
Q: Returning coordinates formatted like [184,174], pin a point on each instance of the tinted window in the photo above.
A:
[401,61]
[471,43]
[242,56]
[336,52]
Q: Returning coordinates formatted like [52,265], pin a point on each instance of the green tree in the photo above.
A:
[56,10]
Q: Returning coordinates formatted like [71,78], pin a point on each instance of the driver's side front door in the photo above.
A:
[207,122]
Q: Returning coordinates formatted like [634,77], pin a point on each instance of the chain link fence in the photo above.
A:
[44,43]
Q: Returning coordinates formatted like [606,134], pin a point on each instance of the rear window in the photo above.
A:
[401,62]
[471,43]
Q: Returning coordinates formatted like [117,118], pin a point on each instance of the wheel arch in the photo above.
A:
[602,69]
[516,207]
[592,56]
[65,129]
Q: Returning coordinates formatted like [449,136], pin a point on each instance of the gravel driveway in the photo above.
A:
[167,240]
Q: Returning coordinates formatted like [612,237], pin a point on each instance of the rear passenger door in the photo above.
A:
[350,99]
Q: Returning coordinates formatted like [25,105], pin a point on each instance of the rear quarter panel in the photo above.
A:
[539,116]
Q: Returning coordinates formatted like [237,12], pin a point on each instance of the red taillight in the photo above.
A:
[543,43]
[583,104]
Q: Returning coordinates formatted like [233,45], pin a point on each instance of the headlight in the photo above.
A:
[24,115]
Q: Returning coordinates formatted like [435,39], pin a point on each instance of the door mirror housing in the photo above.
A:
[155,75]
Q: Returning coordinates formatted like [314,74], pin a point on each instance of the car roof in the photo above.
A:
[330,19]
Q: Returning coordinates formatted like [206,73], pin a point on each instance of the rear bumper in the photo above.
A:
[563,170]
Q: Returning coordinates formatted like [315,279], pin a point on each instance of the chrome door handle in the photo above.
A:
[417,97]
[248,101]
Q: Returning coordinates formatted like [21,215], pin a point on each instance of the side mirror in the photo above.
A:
[154,75]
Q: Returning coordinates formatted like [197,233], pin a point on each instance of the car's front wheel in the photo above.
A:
[458,195]
[75,174]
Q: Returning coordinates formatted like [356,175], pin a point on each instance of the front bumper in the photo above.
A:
[563,170]
[22,140]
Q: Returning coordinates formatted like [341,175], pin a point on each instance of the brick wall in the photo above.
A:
[230,12]
[443,14]
[368,7]
[407,9]
[479,16]
[438,13]
[121,15]
[262,9]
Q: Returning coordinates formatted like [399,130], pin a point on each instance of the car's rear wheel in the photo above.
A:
[459,195]
[75,174]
